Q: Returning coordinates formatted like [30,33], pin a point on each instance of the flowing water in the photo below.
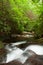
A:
[13,52]
[38,49]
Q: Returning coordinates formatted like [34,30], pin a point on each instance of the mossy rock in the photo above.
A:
[1,45]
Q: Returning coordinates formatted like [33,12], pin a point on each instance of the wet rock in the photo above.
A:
[34,60]
[2,55]
[13,63]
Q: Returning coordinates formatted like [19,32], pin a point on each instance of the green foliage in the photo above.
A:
[38,28]
[35,1]
[4,27]
[19,15]
[41,24]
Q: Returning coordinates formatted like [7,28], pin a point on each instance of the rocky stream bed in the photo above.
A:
[22,51]
[13,54]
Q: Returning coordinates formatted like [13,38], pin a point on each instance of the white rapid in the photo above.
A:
[38,49]
[14,54]
[18,43]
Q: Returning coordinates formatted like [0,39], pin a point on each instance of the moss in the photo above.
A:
[1,45]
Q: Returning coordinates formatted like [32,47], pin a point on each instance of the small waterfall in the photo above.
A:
[38,49]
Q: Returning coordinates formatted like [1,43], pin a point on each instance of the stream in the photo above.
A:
[14,52]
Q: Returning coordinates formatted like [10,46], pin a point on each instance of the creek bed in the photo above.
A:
[14,49]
